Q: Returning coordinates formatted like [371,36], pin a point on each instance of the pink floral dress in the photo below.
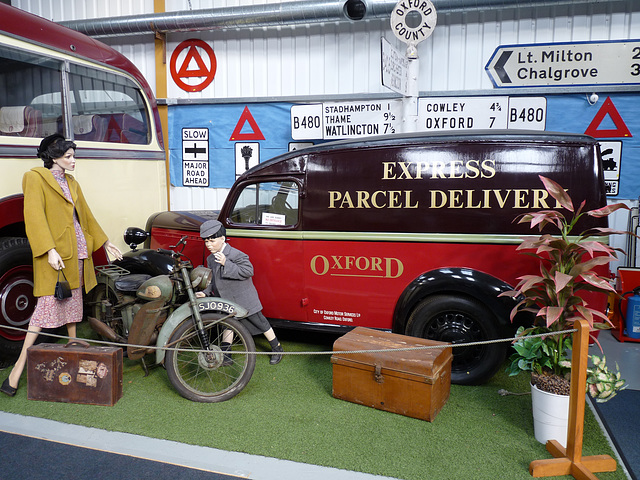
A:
[50,312]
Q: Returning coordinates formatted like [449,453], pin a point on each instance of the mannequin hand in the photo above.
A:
[113,250]
[54,259]
[220,258]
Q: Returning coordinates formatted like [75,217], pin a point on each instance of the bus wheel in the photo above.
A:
[458,319]
[16,295]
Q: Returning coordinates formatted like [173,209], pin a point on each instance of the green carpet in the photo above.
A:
[287,412]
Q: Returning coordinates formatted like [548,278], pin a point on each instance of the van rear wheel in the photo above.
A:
[458,319]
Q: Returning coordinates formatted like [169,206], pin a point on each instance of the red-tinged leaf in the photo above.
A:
[593,247]
[553,314]
[590,264]
[510,293]
[586,313]
[557,192]
[561,281]
[604,317]
[608,210]
[600,231]
[529,243]
[598,282]
[528,282]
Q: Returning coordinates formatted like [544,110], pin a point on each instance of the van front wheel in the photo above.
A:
[457,319]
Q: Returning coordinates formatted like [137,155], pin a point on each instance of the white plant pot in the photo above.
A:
[550,416]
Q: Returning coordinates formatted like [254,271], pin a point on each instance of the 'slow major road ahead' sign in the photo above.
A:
[561,64]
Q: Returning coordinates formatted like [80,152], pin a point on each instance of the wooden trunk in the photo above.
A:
[414,383]
[74,373]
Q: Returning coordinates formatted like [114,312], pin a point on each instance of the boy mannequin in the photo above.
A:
[232,272]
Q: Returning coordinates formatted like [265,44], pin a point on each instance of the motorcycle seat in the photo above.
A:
[131,282]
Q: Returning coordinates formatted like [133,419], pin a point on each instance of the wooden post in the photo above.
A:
[569,461]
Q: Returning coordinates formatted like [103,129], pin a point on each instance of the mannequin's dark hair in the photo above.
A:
[52,147]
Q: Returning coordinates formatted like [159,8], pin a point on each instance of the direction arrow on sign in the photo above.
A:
[561,64]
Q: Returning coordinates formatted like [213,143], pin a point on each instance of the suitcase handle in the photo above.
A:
[82,343]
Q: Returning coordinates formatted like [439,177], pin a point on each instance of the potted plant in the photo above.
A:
[568,268]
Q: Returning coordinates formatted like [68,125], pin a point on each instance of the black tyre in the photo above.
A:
[207,377]
[16,295]
[458,319]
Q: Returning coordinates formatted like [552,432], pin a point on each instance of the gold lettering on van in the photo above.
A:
[354,266]
[438,169]
[377,199]
[517,198]
[498,198]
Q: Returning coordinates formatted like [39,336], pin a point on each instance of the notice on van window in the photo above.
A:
[481,113]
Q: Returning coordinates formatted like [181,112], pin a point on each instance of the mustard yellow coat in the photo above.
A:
[48,217]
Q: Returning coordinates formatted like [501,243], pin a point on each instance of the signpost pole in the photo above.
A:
[410,101]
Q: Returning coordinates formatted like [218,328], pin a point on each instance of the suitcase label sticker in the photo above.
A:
[50,369]
[89,371]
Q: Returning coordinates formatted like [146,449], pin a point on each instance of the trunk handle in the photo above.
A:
[82,343]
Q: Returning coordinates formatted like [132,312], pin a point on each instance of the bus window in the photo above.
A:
[107,107]
[267,203]
[27,106]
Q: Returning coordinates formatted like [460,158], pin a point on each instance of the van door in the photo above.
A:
[264,222]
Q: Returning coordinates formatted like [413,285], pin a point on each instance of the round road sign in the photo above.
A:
[412,21]
[193,65]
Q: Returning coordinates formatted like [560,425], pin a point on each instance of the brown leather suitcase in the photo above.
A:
[74,373]
[414,383]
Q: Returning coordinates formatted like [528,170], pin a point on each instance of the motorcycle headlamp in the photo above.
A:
[200,277]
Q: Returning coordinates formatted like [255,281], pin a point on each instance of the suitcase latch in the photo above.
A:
[377,374]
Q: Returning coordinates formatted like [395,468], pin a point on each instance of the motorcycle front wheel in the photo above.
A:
[217,374]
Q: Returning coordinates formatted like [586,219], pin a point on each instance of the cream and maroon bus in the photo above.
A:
[53,79]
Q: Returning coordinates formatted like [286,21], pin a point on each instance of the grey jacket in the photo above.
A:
[233,280]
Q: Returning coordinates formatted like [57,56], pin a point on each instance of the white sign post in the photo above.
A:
[395,69]
[195,157]
[412,22]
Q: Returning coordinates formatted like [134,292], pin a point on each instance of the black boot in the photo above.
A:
[227,360]
[276,348]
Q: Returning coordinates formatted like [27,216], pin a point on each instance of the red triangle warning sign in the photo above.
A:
[608,108]
[201,71]
[255,134]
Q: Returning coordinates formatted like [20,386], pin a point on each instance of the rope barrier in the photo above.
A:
[332,352]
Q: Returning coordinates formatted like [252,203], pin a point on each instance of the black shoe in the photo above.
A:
[8,389]
[277,357]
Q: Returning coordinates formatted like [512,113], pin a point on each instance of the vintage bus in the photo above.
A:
[53,79]
[413,234]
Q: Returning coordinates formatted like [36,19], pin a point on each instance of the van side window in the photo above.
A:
[267,203]
[30,99]
[106,107]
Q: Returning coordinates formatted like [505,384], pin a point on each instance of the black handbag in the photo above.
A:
[63,290]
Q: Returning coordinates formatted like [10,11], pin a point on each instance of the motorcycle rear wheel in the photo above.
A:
[205,376]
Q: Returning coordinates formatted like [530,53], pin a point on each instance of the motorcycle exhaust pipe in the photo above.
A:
[105,330]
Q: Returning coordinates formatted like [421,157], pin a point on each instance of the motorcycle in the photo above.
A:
[199,340]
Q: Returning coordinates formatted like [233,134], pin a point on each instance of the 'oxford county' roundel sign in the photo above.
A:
[412,21]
